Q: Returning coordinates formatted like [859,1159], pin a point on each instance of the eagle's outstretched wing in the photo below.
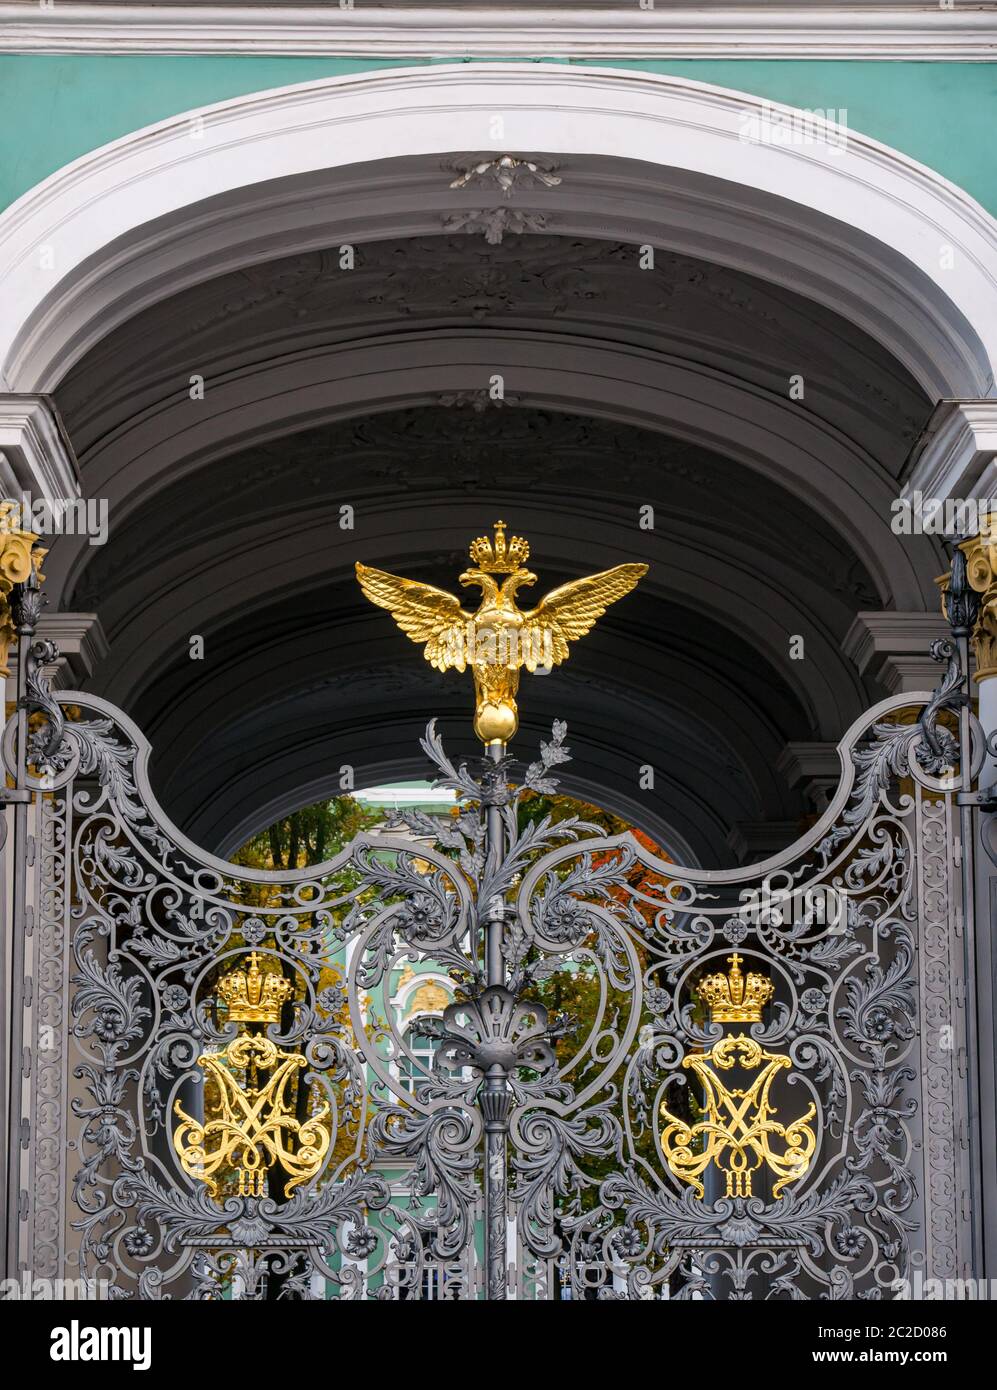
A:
[424,613]
[569,611]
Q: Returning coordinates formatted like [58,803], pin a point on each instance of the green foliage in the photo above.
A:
[307,837]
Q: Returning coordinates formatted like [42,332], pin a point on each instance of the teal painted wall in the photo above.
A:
[59,107]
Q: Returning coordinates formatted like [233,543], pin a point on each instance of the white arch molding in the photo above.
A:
[863,229]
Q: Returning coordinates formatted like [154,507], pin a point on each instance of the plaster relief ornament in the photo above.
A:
[499,639]
[495,223]
[508,175]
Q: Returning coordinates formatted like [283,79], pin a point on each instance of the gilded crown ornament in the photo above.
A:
[499,557]
[498,639]
[253,996]
[734,997]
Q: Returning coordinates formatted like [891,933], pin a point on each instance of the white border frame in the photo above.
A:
[870,30]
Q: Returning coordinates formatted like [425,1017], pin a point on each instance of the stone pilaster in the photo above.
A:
[753,841]
[813,767]
[36,457]
[37,464]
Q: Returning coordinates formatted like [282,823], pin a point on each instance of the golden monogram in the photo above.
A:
[255,1125]
[739,1133]
[739,1129]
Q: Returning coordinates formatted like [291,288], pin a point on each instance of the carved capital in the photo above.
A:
[981,577]
[18,557]
[985,641]
[981,556]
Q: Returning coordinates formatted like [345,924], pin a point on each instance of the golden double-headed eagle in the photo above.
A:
[498,640]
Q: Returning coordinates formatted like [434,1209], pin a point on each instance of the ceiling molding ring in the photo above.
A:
[609,198]
[770,435]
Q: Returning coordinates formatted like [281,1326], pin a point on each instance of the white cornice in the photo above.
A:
[82,647]
[894,648]
[35,454]
[955,455]
[886,30]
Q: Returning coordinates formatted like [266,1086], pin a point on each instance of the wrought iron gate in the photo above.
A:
[650,1081]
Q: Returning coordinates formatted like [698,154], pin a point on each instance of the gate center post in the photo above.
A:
[494,1097]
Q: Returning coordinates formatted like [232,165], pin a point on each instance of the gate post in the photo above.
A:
[970,603]
[20,604]
[977,557]
[494,1098]
[962,608]
[986,974]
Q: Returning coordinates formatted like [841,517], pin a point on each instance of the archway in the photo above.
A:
[695,383]
[729,677]
[167,206]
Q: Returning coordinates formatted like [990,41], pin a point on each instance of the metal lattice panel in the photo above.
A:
[649,1081]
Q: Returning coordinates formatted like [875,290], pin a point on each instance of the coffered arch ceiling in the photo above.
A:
[624,387]
[699,351]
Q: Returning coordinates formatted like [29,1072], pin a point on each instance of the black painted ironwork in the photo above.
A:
[527,1159]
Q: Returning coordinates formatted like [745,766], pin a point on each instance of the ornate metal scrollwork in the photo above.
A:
[583,1101]
[495,1028]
